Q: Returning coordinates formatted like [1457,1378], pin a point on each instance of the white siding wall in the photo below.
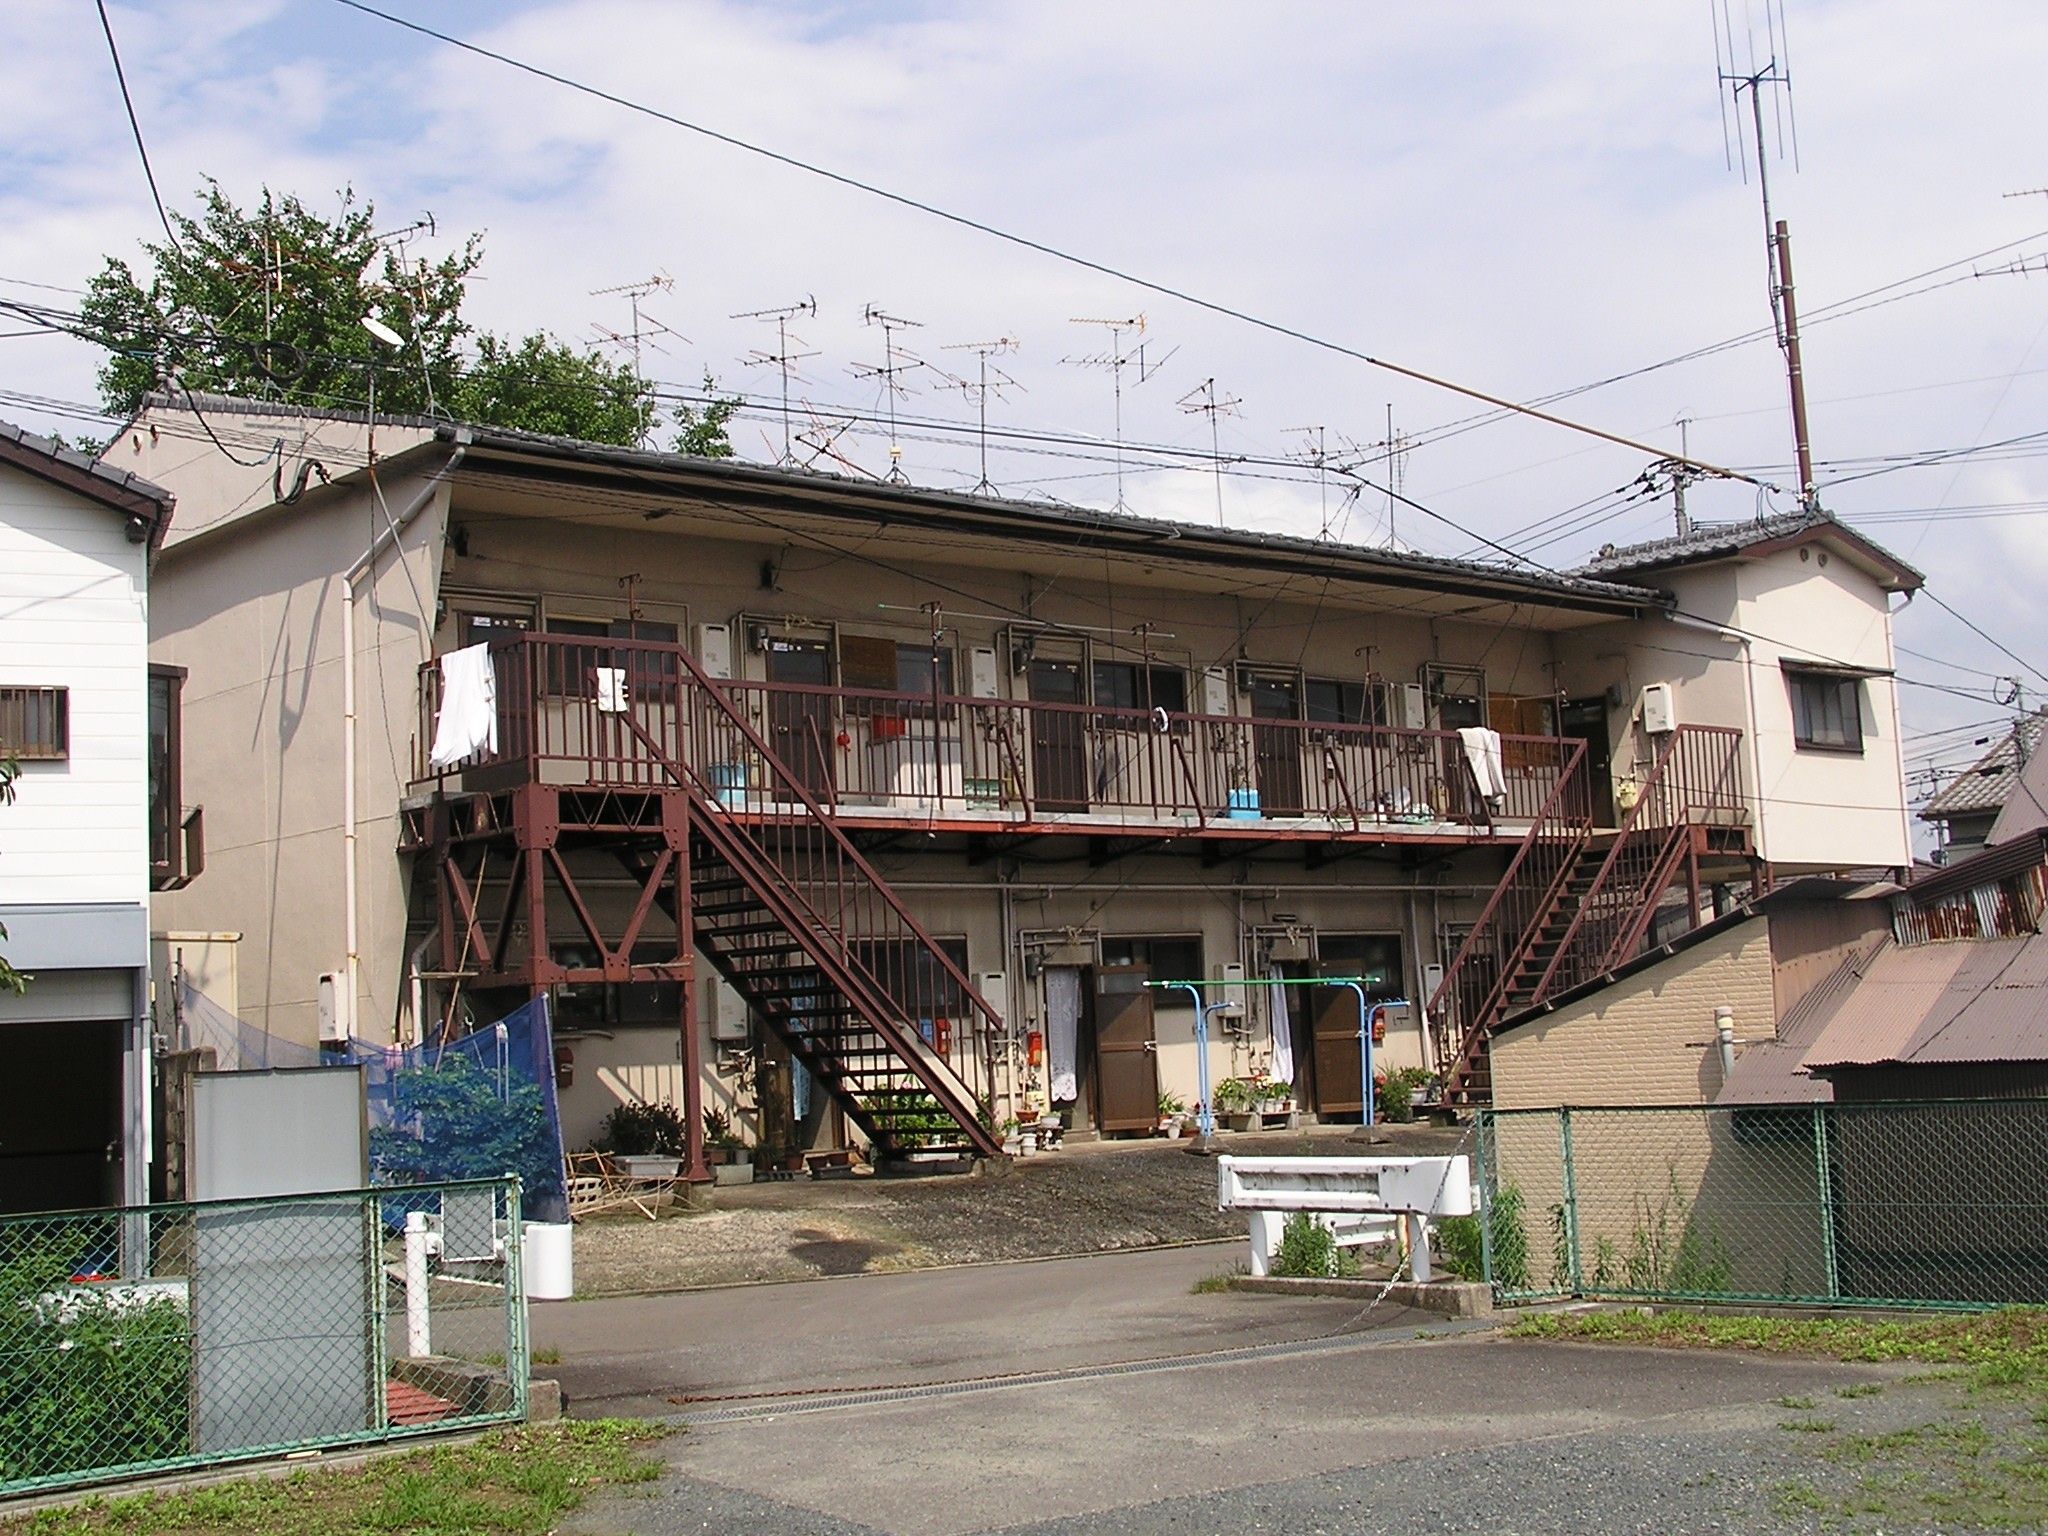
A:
[73,614]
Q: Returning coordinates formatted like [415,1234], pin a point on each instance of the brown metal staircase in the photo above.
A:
[805,930]
[1575,903]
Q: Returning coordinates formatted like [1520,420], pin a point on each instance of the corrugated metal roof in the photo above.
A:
[1987,783]
[1976,1001]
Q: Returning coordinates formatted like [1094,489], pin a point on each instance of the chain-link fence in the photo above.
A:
[172,1336]
[1912,1205]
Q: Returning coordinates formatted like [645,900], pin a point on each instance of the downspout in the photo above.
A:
[366,566]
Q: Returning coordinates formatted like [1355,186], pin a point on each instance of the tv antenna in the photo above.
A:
[1315,454]
[1397,447]
[782,358]
[644,328]
[822,438]
[890,372]
[1203,400]
[1740,67]
[992,381]
[1115,361]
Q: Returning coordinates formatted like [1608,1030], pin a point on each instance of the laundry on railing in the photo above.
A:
[468,722]
[1483,752]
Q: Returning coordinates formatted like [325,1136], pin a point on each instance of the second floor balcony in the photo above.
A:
[618,714]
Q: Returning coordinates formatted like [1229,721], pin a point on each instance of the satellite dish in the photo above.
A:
[382,332]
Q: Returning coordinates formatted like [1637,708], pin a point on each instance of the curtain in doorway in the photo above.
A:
[1283,1034]
[1062,1031]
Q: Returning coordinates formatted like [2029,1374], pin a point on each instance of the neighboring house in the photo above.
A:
[1833,991]
[761,770]
[1965,809]
[97,823]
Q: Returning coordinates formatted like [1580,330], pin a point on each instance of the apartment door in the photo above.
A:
[1059,737]
[800,725]
[1586,720]
[1277,749]
[1126,1054]
[1333,1032]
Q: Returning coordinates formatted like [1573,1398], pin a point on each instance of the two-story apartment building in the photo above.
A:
[862,809]
[96,820]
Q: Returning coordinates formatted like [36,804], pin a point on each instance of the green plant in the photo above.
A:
[1274,1090]
[718,1131]
[1394,1094]
[1233,1096]
[1171,1104]
[1670,1251]
[1309,1251]
[1459,1242]
[645,1130]
[87,1379]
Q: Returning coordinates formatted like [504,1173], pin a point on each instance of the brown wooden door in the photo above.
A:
[1333,1027]
[1059,737]
[1126,1055]
[1277,749]
[800,725]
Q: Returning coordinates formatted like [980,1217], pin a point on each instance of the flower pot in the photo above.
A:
[1244,1122]
[649,1165]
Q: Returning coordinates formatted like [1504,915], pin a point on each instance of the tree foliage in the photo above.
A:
[268,302]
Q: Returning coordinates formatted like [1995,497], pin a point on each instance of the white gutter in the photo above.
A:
[386,537]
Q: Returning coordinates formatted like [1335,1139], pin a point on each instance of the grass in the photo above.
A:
[516,1483]
[1216,1284]
[1982,1462]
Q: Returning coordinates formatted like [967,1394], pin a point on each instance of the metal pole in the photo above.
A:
[1571,1200]
[419,1340]
[1793,368]
[1821,1173]
[1205,1117]
[1365,1016]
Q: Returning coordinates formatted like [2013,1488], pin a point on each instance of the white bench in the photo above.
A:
[1360,1199]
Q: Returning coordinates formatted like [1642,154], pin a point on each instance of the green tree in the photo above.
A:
[701,430]
[269,301]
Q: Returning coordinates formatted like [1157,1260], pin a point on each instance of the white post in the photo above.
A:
[419,1340]
[1265,1231]
[1417,1228]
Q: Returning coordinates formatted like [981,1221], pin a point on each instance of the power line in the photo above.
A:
[1973,629]
[1027,242]
[141,148]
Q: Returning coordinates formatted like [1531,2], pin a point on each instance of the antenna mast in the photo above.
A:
[890,372]
[1115,360]
[783,359]
[1203,400]
[1748,75]
[979,392]
[643,327]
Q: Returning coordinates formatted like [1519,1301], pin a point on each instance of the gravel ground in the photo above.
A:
[1086,1199]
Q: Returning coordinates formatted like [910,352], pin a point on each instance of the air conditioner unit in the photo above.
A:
[714,649]
[1660,712]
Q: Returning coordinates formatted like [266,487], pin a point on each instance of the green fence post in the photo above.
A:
[1571,1201]
[518,1359]
[1485,1204]
[1823,1176]
[380,1314]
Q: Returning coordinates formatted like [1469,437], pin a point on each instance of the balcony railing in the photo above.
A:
[564,705]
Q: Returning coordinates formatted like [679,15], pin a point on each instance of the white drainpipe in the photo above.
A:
[365,567]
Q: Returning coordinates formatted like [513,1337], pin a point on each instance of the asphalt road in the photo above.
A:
[1254,1413]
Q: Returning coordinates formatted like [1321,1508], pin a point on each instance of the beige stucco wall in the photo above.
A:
[1642,1040]
[254,615]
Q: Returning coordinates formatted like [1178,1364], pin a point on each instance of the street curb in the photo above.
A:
[1446,1298]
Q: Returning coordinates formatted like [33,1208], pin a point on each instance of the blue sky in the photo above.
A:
[1525,198]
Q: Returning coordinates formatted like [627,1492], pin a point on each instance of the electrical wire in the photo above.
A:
[141,147]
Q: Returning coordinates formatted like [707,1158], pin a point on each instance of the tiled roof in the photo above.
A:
[50,448]
[1987,783]
[1714,541]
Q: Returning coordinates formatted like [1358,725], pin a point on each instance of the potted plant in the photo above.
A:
[1013,1136]
[1276,1097]
[646,1140]
[1237,1103]
[1172,1110]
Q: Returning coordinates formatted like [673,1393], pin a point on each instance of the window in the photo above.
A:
[1827,711]
[569,667]
[1178,958]
[912,976]
[177,847]
[1374,958]
[35,723]
[1336,702]
[894,666]
[1130,685]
